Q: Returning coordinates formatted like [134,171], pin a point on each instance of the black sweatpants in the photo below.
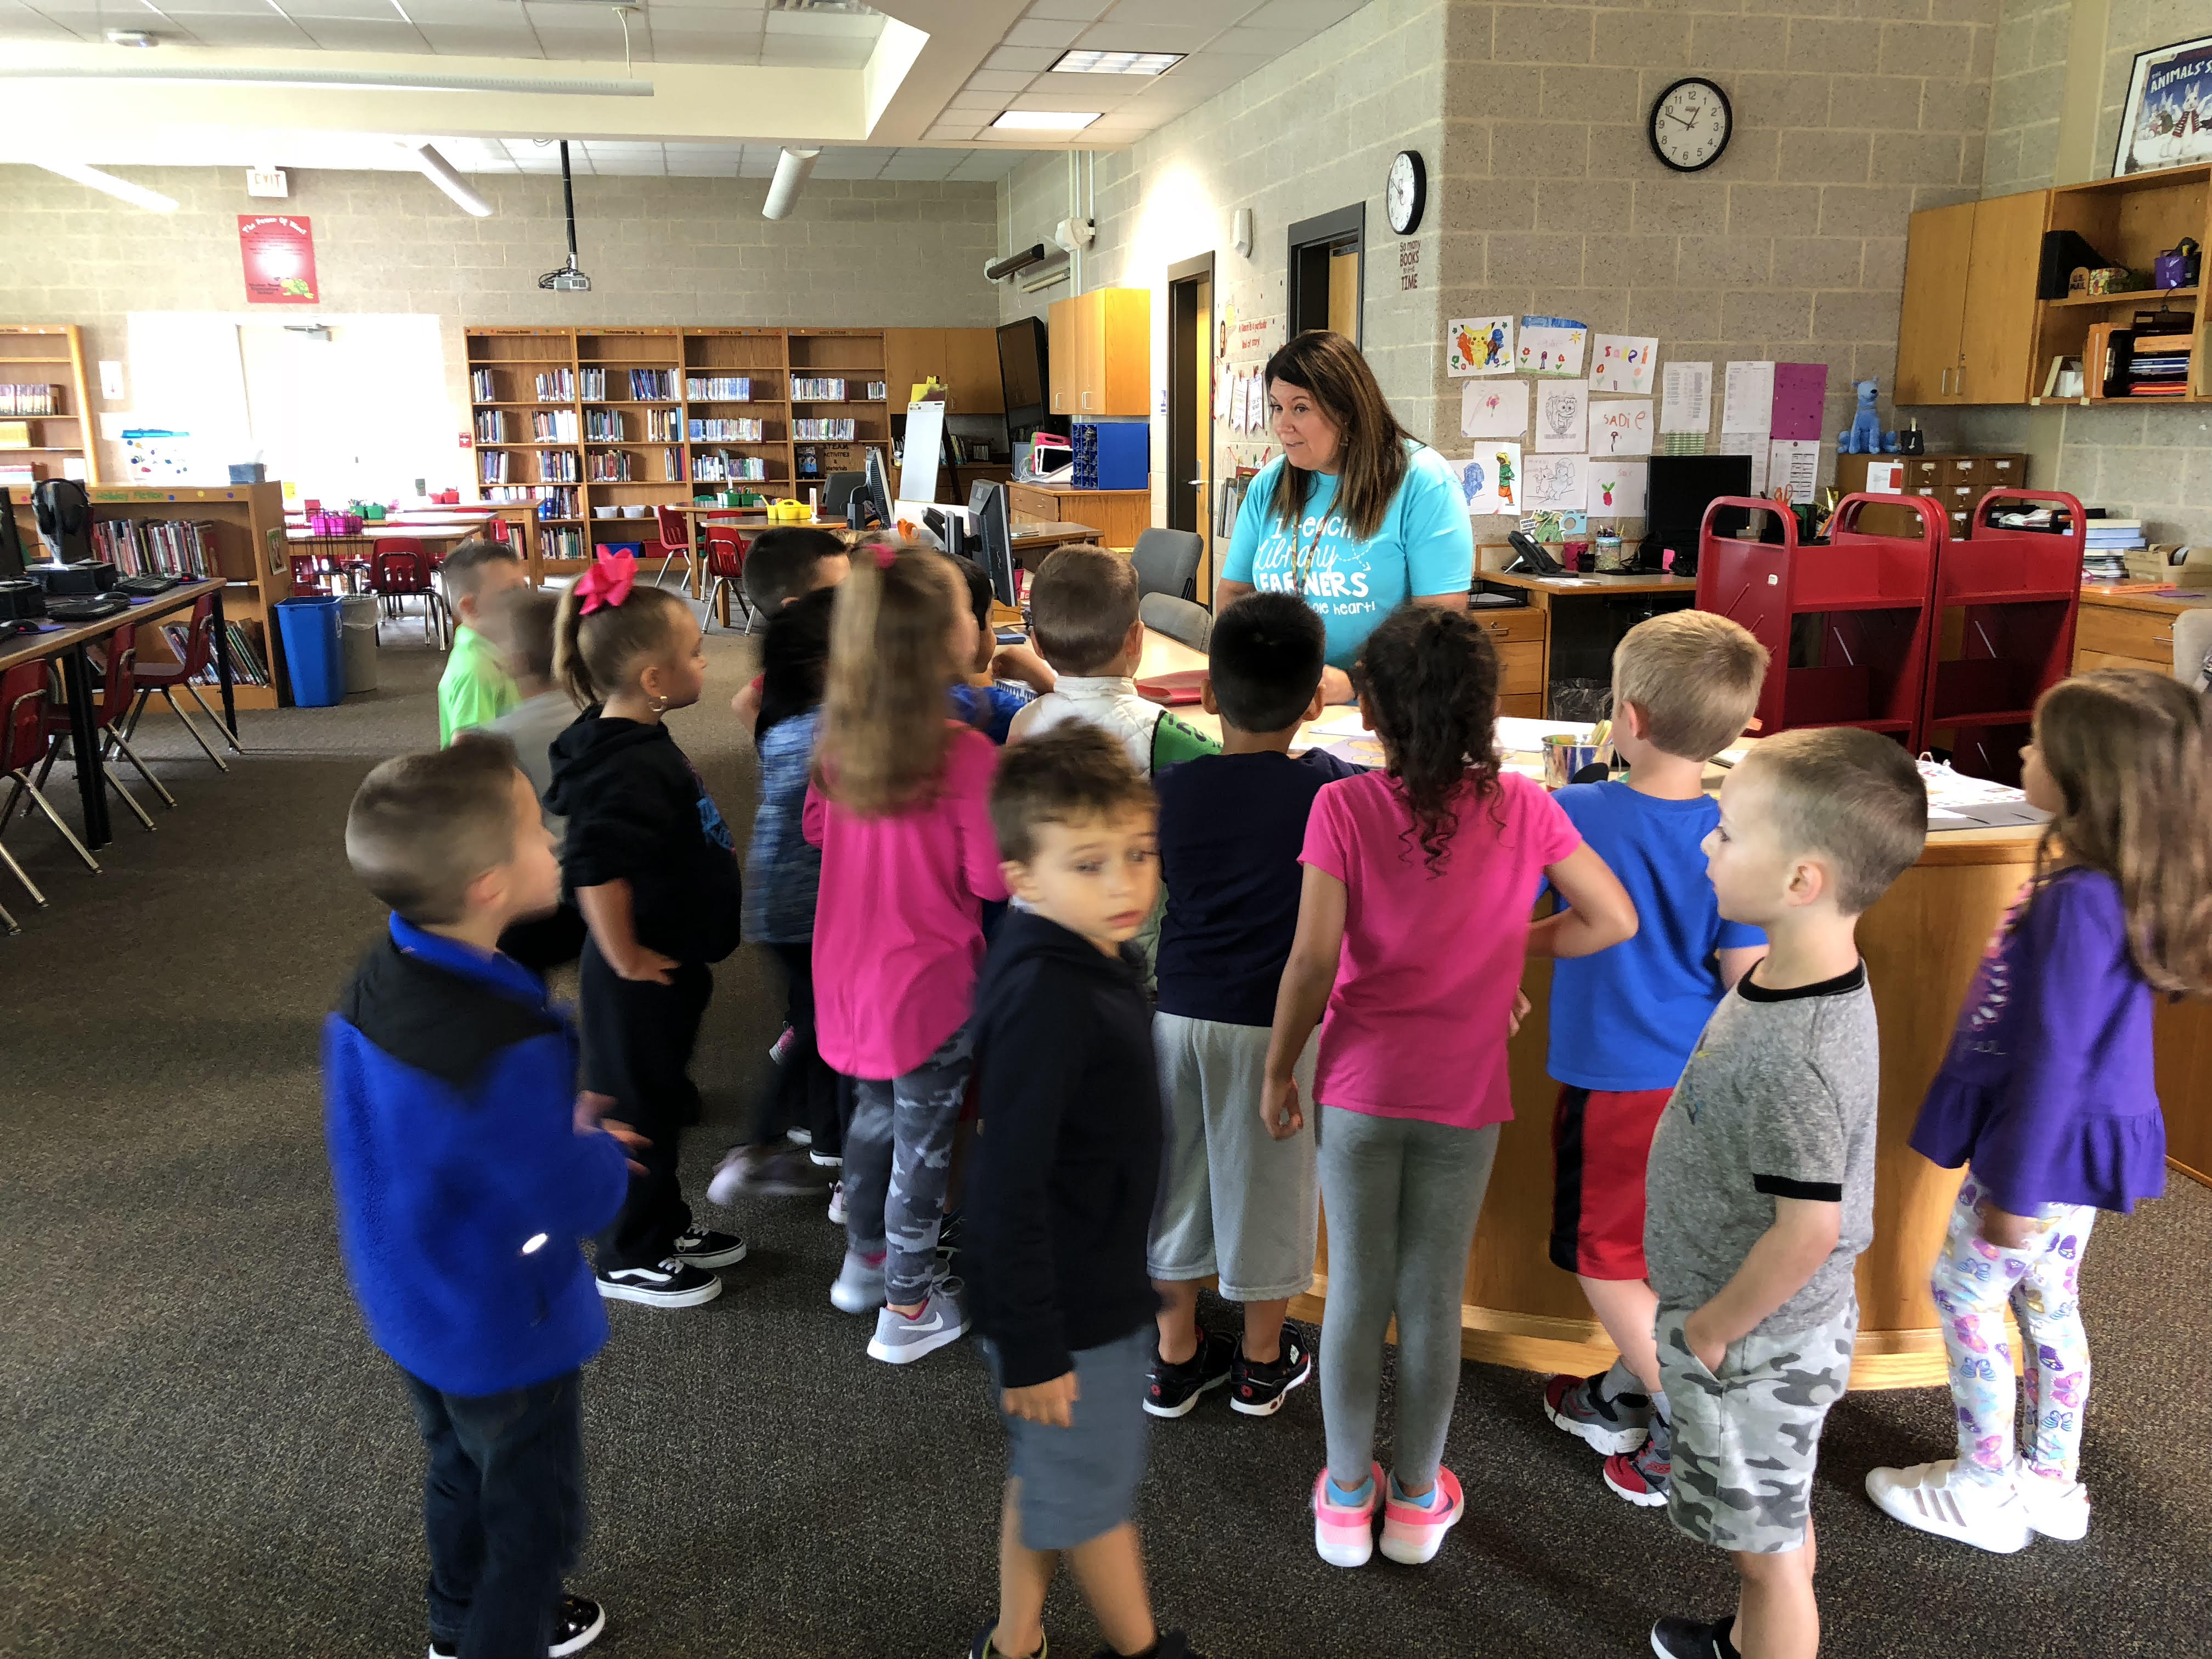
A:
[638,1036]
[804,1092]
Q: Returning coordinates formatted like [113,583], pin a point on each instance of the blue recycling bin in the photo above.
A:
[315,656]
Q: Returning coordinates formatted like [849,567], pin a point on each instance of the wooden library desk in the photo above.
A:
[1569,628]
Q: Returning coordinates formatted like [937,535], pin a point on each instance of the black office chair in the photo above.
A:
[1167,563]
[1179,619]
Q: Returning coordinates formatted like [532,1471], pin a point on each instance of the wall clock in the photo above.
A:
[1406,192]
[1691,122]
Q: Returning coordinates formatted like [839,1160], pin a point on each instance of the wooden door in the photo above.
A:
[1997,341]
[1938,252]
[911,355]
[1063,348]
[971,369]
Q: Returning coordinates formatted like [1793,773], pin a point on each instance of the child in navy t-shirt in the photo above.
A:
[1232,1200]
[1624,1021]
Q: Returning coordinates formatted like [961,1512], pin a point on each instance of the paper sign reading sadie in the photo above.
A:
[279,251]
[1621,428]
[1622,362]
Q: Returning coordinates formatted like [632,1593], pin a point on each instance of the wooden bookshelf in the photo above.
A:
[50,353]
[2129,221]
[610,424]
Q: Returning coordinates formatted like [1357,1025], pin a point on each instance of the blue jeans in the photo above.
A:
[503,1512]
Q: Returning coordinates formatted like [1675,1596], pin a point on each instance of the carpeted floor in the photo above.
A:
[205,1459]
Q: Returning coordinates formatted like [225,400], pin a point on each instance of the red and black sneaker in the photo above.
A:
[1172,1390]
[1643,1476]
[1257,1389]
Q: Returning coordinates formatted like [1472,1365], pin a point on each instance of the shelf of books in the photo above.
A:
[596,427]
[45,429]
[2146,345]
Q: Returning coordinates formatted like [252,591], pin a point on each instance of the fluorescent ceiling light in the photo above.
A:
[1045,120]
[1083,61]
[138,195]
[344,79]
[440,172]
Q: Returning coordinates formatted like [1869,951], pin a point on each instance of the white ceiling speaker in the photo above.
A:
[1075,234]
[1241,231]
[792,168]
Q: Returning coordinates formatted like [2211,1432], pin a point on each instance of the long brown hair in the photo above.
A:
[1428,679]
[1370,455]
[2131,753]
[884,715]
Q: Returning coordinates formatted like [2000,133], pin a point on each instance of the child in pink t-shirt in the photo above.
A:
[1411,927]
[898,805]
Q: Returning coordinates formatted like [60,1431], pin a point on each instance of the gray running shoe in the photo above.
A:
[900,1340]
[859,1284]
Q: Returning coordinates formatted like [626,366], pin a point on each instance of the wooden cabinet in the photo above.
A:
[2123,630]
[1967,331]
[1959,482]
[1101,351]
[964,359]
[1119,516]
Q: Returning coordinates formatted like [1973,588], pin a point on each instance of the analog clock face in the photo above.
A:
[1690,124]
[1405,191]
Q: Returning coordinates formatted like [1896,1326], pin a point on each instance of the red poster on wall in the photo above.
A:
[279,251]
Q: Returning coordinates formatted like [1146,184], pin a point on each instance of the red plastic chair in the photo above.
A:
[725,572]
[674,527]
[25,701]
[401,571]
[118,690]
[167,677]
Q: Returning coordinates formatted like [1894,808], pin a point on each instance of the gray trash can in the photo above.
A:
[357,615]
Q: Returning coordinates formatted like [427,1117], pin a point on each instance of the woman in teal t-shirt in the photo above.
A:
[1356,516]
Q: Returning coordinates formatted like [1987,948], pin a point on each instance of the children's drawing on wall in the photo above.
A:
[1493,408]
[1557,483]
[1550,345]
[1622,362]
[1489,479]
[1478,346]
[1560,406]
[1620,427]
[1617,488]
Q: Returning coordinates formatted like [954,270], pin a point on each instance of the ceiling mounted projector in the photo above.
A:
[569,279]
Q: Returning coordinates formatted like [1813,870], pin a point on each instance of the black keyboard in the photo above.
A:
[145,587]
[77,611]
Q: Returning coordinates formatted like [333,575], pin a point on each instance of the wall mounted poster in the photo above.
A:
[1557,483]
[1478,346]
[2167,119]
[1493,408]
[279,254]
[1550,345]
[1621,426]
[1622,362]
[1559,414]
[1491,480]
[1618,488]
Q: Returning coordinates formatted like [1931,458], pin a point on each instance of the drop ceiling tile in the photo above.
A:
[1309,16]
[918,164]
[1082,10]
[186,10]
[1144,14]
[1261,43]
[1054,31]
[354,34]
[1111,35]
[954,132]
[997,81]
[1028,59]
[823,23]
[459,40]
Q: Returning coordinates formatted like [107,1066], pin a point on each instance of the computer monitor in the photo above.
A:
[875,486]
[988,504]
[1682,487]
[11,541]
[838,491]
[1023,358]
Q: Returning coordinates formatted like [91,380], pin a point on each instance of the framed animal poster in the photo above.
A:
[1478,346]
[2166,121]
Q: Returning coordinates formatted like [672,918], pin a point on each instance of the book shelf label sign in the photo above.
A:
[279,251]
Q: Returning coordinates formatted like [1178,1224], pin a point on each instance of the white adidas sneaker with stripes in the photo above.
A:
[1936,1497]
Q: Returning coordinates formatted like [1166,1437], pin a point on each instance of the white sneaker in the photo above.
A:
[858,1286]
[900,1340]
[837,1205]
[2057,1509]
[1935,1498]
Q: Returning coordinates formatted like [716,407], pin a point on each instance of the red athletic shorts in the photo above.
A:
[1600,1141]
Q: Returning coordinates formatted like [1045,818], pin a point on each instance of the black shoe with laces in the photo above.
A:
[701,1247]
[1257,1389]
[1172,1390]
[577,1623]
[667,1283]
[1686,1638]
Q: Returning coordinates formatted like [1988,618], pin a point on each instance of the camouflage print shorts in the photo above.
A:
[1745,1440]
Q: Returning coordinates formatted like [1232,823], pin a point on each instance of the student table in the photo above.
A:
[68,644]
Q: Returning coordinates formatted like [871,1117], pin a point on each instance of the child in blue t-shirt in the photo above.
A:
[1003,680]
[1624,1021]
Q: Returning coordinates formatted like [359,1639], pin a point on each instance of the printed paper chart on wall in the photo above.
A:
[1478,346]
[1550,345]
[1491,481]
[1618,488]
[1557,483]
[1493,408]
[1686,403]
[1622,362]
[1560,416]
[1621,426]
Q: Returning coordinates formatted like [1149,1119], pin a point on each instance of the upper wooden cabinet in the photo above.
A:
[1966,334]
[964,359]
[1101,353]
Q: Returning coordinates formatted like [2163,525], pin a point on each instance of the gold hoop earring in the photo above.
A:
[660,705]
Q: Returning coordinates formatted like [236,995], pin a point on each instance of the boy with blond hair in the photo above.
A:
[1623,1020]
[1761,1180]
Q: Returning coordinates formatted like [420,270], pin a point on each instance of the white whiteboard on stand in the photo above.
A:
[925,447]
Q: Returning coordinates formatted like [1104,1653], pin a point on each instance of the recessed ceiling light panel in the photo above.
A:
[1086,62]
[1045,120]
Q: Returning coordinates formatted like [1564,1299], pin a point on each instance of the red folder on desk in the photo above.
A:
[1176,691]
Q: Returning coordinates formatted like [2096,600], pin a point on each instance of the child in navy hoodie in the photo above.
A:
[466,1169]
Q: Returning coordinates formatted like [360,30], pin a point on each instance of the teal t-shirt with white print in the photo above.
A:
[1425,545]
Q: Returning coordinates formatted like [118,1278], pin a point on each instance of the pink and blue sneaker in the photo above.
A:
[1344,1532]
[1414,1528]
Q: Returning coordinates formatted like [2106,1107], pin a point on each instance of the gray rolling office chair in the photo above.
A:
[1167,563]
[1180,619]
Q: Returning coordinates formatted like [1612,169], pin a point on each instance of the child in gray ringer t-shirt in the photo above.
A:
[1760,1185]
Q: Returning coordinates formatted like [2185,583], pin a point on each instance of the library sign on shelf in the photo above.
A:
[279,251]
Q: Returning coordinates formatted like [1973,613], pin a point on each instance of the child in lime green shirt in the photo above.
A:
[475,687]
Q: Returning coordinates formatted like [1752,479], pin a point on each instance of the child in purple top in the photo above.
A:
[2047,1091]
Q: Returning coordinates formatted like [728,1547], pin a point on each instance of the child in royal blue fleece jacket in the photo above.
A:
[466,1169]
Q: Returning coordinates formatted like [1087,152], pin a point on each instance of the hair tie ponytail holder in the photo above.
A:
[886,556]
[607,583]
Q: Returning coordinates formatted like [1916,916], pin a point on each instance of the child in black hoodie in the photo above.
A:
[652,867]
[1061,1194]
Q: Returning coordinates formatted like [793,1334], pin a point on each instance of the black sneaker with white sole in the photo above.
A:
[1173,1390]
[1257,1389]
[1686,1638]
[701,1247]
[667,1283]
[577,1624]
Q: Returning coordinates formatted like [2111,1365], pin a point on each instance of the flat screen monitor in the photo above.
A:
[838,491]
[988,505]
[1681,488]
[11,541]
[875,486]
[1023,363]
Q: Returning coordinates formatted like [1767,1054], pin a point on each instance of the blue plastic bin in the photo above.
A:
[1113,454]
[314,656]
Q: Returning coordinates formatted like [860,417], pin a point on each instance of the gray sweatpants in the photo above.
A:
[898,1156]
[1401,1197]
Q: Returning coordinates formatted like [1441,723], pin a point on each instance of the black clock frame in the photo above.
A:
[1420,192]
[1652,124]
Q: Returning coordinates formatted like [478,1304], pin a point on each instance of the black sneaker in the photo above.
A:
[948,1233]
[699,1247]
[1172,1390]
[1172,1645]
[668,1284]
[1257,1389]
[577,1624]
[1686,1638]
[981,1647]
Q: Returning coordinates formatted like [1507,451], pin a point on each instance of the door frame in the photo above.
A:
[1317,236]
[1187,330]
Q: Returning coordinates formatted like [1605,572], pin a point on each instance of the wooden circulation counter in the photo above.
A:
[1922,944]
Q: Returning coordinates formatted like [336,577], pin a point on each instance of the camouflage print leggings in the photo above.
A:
[898,1153]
